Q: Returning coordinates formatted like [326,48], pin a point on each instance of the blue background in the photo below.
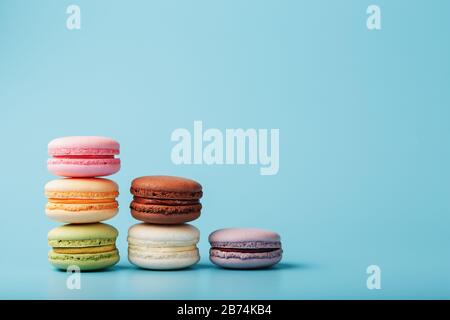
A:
[364,137]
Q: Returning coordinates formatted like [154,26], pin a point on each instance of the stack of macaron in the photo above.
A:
[164,204]
[81,200]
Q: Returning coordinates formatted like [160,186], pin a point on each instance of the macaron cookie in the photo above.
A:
[163,247]
[244,248]
[81,200]
[89,246]
[83,156]
[165,199]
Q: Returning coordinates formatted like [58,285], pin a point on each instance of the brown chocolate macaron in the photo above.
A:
[165,199]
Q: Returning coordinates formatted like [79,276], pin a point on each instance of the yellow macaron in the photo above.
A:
[81,200]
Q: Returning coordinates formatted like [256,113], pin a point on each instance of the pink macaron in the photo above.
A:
[83,156]
[243,248]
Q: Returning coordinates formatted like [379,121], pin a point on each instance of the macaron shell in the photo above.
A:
[93,231]
[86,262]
[168,235]
[166,187]
[160,218]
[242,235]
[81,217]
[236,263]
[74,188]
[163,261]
[83,168]
[83,145]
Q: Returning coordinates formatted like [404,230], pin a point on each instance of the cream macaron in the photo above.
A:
[81,200]
[163,247]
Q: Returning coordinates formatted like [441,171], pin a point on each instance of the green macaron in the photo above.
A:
[87,246]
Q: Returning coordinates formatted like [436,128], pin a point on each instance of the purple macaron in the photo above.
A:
[242,248]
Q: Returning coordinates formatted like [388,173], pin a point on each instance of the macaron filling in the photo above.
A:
[84,156]
[100,249]
[246,250]
[165,209]
[162,250]
[161,194]
[84,161]
[84,257]
[81,201]
[64,155]
[252,250]
[80,205]
[77,151]
[245,254]
[80,195]
[246,244]
[165,202]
